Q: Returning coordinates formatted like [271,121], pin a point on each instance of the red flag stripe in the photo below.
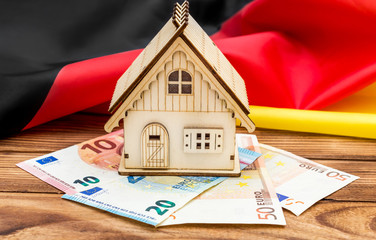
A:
[82,85]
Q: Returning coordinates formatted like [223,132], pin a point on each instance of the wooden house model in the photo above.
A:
[179,101]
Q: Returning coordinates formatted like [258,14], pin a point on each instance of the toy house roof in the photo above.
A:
[184,26]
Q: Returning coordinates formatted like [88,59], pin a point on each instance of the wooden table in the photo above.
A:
[31,209]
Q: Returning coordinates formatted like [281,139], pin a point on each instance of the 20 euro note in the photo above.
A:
[300,182]
[149,199]
[248,199]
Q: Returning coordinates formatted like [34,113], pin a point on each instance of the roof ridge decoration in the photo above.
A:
[181,14]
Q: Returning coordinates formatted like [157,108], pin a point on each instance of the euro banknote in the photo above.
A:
[79,167]
[300,182]
[87,173]
[150,199]
[248,199]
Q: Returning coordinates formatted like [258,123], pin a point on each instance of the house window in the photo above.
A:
[203,140]
[179,82]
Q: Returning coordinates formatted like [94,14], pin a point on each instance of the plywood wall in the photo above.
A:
[202,99]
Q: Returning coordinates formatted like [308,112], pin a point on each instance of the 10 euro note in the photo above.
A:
[300,182]
[248,199]
[81,166]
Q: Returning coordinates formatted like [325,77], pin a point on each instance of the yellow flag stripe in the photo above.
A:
[326,122]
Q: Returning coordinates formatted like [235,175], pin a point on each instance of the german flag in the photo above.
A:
[60,57]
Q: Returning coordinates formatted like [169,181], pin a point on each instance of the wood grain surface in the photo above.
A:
[31,209]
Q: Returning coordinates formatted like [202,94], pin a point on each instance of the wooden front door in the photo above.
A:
[154,146]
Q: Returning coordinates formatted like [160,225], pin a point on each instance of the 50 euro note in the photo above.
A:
[248,199]
[300,182]
[87,172]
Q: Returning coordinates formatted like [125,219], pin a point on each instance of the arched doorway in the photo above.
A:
[154,146]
